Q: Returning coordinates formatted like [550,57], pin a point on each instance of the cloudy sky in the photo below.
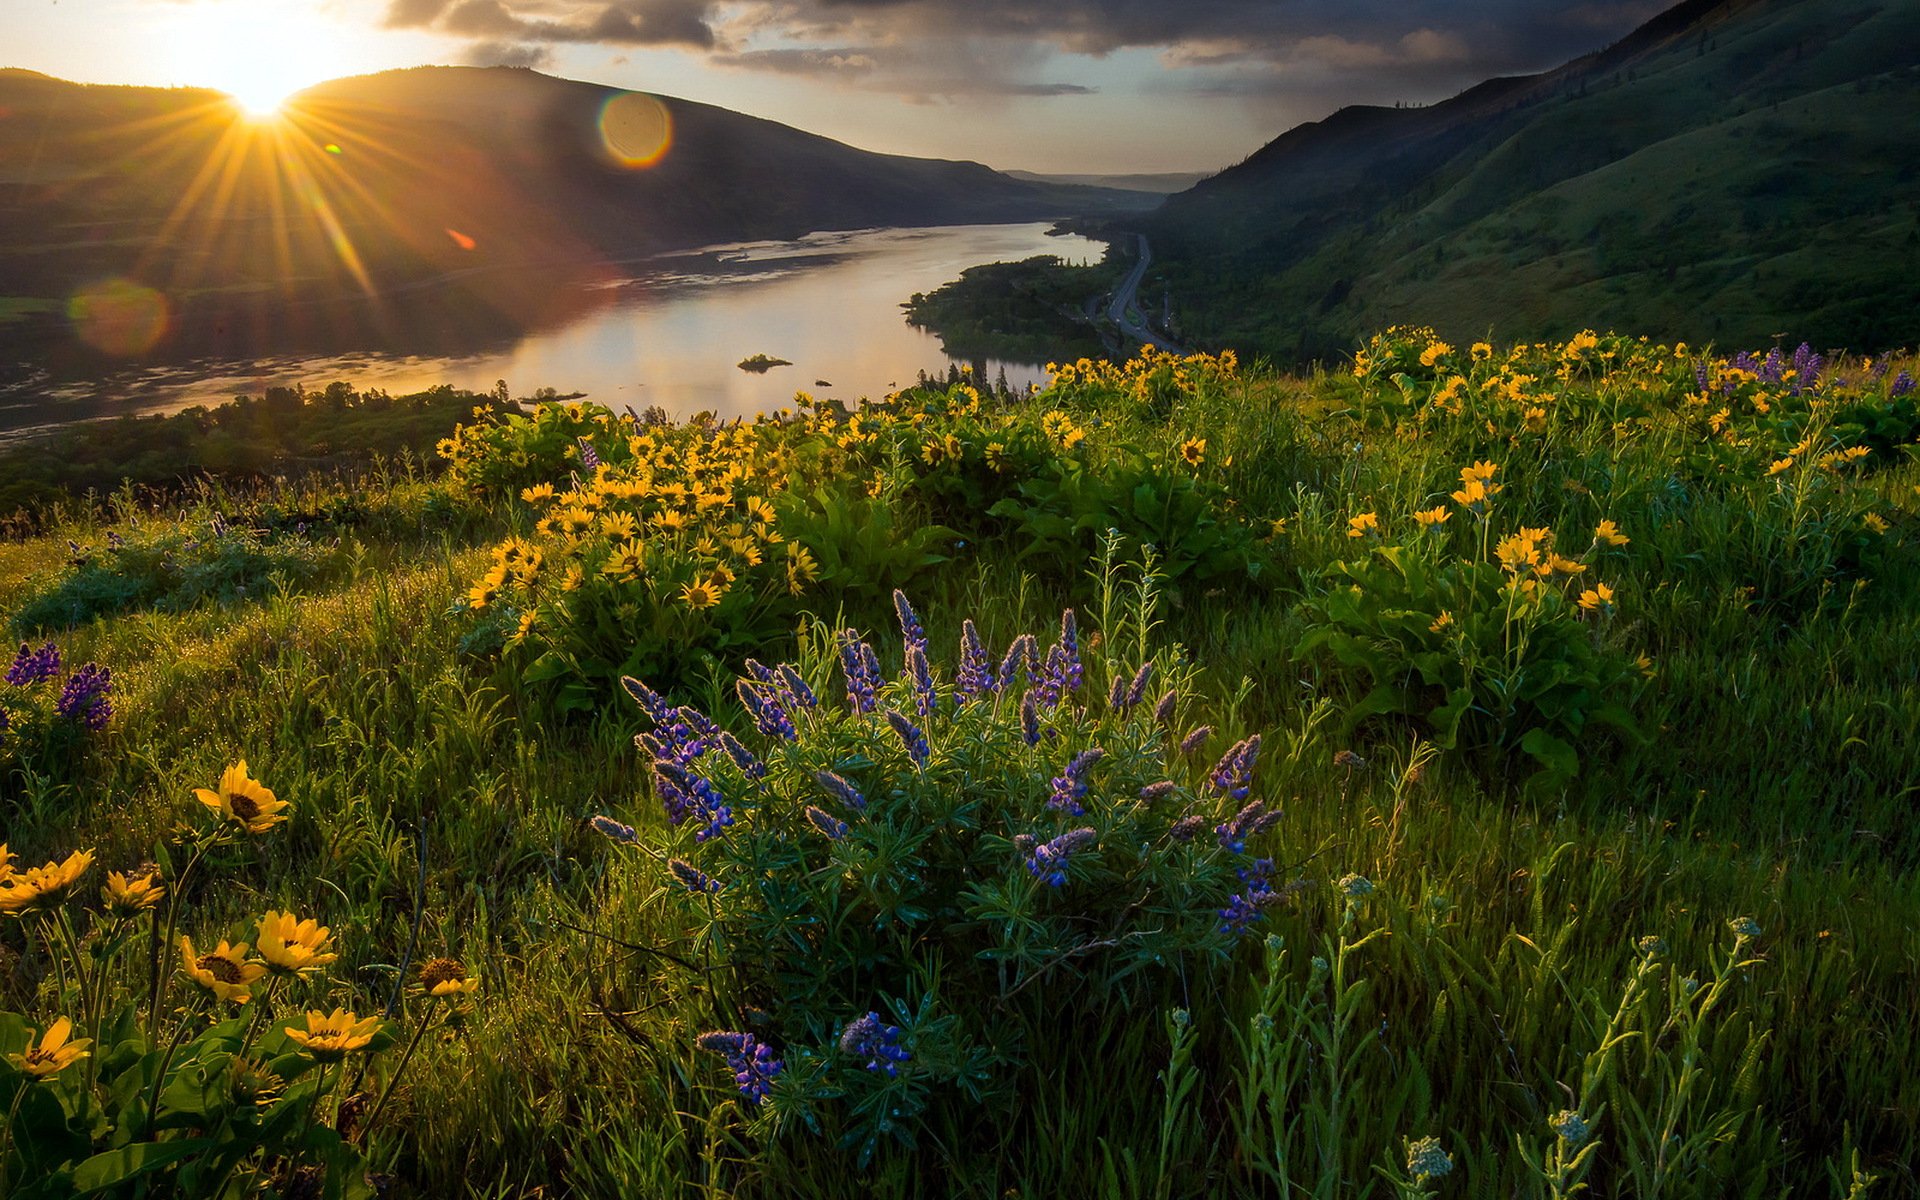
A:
[1047,85]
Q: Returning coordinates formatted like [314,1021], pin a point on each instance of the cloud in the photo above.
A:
[507,54]
[620,23]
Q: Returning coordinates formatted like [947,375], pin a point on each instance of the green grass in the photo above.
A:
[1776,784]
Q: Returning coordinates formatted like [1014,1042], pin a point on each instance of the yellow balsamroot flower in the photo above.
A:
[291,946]
[1875,522]
[1363,524]
[43,887]
[700,594]
[332,1036]
[446,977]
[1520,550]
[1597,597]
[54,1053]
[244,801]
[1433,516]
[1440,622]
[1482,471]
[759,508]
[539,493]
[1481,352]
[126,896]
[1781,464]
[1609,534]
[1434,352]
[6,863]
[226,971]
[1194,451]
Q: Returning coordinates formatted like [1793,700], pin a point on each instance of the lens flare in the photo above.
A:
[636,129]
[118,317]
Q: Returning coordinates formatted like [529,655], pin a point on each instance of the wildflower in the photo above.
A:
[1744,928]
[1433,516]
[1067,671]
[877,1043]
[1194,451]
[1022,654]
[910,627]
[1232,776]
[1780,464]
[1349,760]
[862,672]
[801,568]
[56,1051]
[833,827]
[1158,791]
[291,946]
[1255,818]
[1425,1159]
[1434,352]
[1608,534]
[691,877]
[1195,739]
[444,977]
[614,831]
[84,698]
[1163,711]
[244,800]
[769,716]
[686,794]
[1481,351]
[975,676]
[1047,861]
[1030,718]
[1570,1127]
[332,1036]
[1070,786]
[1137,686]
[742,757]
[42,887]
[539,493]
[701,593]
[226,971]
[752,1062]
[31,666]
[588,459]
[1363,524]
[925,699]
[1187,828]
[910,736]
[1596,598]
[1651,946]
[1355,887]
[1875,522]
[1440,622]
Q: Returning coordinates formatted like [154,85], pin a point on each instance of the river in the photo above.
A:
[666,331]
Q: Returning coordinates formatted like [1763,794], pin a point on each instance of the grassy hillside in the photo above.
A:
[1732,172]
[1584,677]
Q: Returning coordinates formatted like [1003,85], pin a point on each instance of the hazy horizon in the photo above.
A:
[1065,87]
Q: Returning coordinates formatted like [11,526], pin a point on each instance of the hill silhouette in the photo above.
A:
[324,229]
[1732,170]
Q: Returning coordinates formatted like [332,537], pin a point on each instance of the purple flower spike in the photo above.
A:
[976,673]
[862,673]
[1030,718]
[796,687]
[833,827]
[742,757]
[1047,861]
[1255,818]
[1195,739]
[614,831]
[751,1061]
[910,627]
[84,699]
[877,1043]
[1137,690]
[1187,828]
[1070,787]
[31,666]
[588,459]
[1070,651]
[692,878]
[841,790]
[1022,655]
[765,709]
[911,736]
[1158,791]
[1232,776]
[1902,384]
[1163,711]
[925,699]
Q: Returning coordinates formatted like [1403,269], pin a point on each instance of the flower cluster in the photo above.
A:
[879,1044]
[752,1062]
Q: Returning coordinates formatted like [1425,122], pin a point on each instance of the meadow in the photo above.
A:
[1476,771]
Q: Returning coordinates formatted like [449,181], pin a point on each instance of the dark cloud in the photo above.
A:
[621,23]
[508,54]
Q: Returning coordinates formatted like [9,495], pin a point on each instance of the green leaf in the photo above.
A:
[114,1167]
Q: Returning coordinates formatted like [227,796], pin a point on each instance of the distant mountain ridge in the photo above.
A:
[1732,170]
[314,231]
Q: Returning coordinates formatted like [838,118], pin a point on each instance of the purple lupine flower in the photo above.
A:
[697,797]
[1255,818]
[879,1044]
[1137,690]
[856,663]
[1700,374]
[833,827]
[683,737]
[796,687]
[1245,907]
[1070,786]
[31,666]
[841,790]
[1023,653]
[759,671]
[911,736]
[84,698]
[674,799]
[1158,791]
[691,877]
[1030,718]
[588,459]
[976,673]
[751,1061]
[614,831]
[910,628]
[1117,693]
[1047,861]
[925,699]
[651,702]
[1070,651]
[742,757]
[5,720]
[1879,371]
[1195,739]
[1053,678]
[1902,384]
[1233,775]
[1187,828]
[1163,711]
[1806,368]
[765,709]
[114,540]
[1774,368]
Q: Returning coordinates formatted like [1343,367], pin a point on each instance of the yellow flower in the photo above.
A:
[1562,565]
[1434,352]
[54,1054]
[1361,525]
[759,508]
[1875,522]
[627,562]
[1440,622]
[1277,527]
[446,977]
[1596,597]
[539,493]
[1518,550]
[244,801]
[574,520]
[619,525]
[126,896]
[225,970]
[670,520]
[1482,471]
[702,594]
[1645,664]
[1609,534]
[1194,451]
[42,887]
[291,946]
[334,1035]
[1433,516]
[1780,464]
[1482,352]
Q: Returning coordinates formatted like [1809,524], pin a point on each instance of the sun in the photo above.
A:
[257,53]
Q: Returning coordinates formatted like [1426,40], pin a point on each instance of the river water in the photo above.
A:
[666,331]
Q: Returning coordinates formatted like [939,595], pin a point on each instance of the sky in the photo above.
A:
[1058,86]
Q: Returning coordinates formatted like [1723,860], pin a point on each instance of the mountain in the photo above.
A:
[336,225]
[1732,171]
